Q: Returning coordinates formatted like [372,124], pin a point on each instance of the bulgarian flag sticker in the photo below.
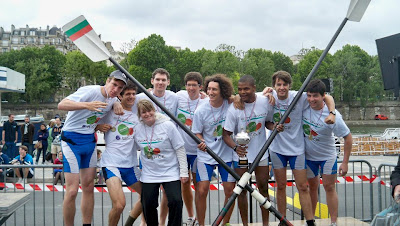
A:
[83,36]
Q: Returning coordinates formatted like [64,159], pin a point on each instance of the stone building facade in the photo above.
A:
[19,38]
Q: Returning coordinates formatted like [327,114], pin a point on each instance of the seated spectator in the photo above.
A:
[3,160]
[23,159]
[58,172]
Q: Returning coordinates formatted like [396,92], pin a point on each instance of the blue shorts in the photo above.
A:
[127,175]
[192,162]
[78,151]
[279,161]
[204,172]
[327,167]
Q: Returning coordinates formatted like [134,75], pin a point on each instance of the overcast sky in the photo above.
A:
[275,25]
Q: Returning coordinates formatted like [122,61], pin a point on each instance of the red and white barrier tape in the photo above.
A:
[213,187]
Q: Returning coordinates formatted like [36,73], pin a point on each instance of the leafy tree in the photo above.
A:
[258,63]
[282,62]
[352,67]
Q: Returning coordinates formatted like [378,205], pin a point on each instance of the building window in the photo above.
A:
[5,50]
[14,40]
[15,32]
[22,33]
[41,41]
[15,47]
[32,33]
[22,41]
[59,41]
[6,35]
[53,41]
[5,42]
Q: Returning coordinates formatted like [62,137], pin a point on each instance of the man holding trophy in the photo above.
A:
[249,125]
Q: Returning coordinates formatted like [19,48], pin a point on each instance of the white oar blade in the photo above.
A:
[83,35]
[357,9]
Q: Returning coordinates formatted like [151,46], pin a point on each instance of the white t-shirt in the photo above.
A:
[121,150]
[321,147]
[169,100]
[238,120]
[162,165]
[185,114]
[209,121]
[85,121]
[290,142]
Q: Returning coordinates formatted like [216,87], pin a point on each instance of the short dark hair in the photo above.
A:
[282,75]
[129,86]
[193,76]
[160,71]
[247,79]
[9,115]
[316,86]
[25,148]
[27,116]
[225,84]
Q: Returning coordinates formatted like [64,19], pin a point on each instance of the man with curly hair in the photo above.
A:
[209,120]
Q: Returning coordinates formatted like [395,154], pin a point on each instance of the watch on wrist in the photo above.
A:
[234,148]
[332,112]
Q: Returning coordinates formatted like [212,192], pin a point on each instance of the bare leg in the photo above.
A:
[313,184]
[137,208]
[331,195]
[262,177]
[71,191]
[300,177]
[242,200]
[163,208]
[280,177]
[87,202]
[201,200]
[117,198]
[187,196]
[228,190]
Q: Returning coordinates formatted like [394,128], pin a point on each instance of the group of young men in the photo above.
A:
[305,140]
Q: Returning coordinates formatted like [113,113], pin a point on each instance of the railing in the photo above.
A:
[384,189]
[355,191]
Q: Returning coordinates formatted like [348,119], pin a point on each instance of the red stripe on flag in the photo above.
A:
[81,32]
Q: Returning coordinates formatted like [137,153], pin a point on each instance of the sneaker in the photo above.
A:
[333,224]
[190,221]
[20,180]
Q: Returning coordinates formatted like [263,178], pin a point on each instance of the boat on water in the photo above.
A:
[20,120]
[387,143]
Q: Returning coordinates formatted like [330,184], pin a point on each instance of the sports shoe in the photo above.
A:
[190,221]
[20,180]
[333,224]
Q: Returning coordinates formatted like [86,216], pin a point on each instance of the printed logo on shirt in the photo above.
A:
[218,131]
[186,121]
[94,118]
[279,113]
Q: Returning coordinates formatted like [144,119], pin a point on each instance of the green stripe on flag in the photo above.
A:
[77,28]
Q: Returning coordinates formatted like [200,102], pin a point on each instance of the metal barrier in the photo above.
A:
[384,190]
[45,208]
